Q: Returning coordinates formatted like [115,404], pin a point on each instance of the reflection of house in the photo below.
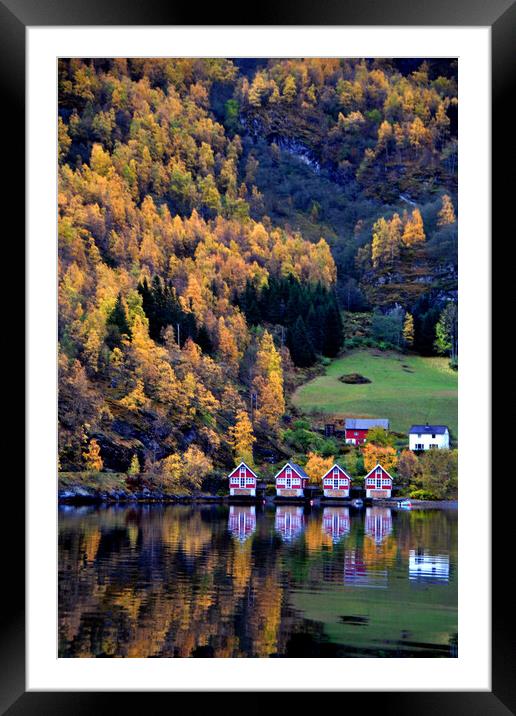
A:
[427,567]
[291,481]
[378,483]
[357,574]
[425,437]
[242,521]
[242,481]
[289,521]
[356,429]
[336,482]
[335,522]
[378,523]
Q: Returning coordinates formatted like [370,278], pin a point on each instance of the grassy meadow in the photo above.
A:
[404,388]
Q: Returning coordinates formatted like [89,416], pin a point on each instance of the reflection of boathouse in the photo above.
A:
[289,521]
[428,567]
[378,523]
[335,522]
[242,521]
[358,574]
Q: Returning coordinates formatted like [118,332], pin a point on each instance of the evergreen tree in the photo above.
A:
[334,332]
[300,345]
[204,340]
[118,323]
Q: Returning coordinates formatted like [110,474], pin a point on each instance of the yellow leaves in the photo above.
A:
[417,133]
[134,467]
[374,454]
[186,471]
[414,232]
[317,466]
[64,140]
[92,457]
[446,214]
[193,299]
[100,161]
[268,360]
[167,387]
[268,382]
[150,253]
[136,398]
[228,347]
[241,438]
[408,329]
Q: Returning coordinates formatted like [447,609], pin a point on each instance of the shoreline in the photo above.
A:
[80,496]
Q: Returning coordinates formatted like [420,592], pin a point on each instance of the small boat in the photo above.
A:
[405,504]
[357,502]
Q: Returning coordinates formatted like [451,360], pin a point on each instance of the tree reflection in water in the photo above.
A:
[244,581]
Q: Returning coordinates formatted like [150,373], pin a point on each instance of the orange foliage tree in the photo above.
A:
[374,454]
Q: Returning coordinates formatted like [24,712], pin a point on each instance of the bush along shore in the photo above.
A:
[103,487]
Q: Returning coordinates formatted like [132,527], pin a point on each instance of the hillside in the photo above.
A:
[404,388]
[215,218]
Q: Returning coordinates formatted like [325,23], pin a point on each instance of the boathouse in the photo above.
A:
[242,481]
[378,483]
[336,482]
[291,481]
[356,429]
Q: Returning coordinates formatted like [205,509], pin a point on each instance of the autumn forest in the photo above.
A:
[229,227]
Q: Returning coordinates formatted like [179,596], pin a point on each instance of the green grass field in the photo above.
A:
[405,389]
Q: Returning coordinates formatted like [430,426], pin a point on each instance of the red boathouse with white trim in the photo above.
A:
[336,482]
[378,483]
[242,481]
[291,481]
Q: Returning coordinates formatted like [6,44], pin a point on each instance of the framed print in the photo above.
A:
[254,256]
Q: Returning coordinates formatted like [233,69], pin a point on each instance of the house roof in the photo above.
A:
[375,467]
[240,465]
[425,429]
[332,468]
[296,468]
[366,423]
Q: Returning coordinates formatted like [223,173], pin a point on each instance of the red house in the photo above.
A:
[356,429]
[378,483]
[336,482]
[291,481]
[242,481]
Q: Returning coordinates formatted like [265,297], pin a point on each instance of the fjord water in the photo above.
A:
[245,581]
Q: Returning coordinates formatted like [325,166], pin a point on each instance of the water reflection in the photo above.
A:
[424,566]
[378,523]
[289,521]
[246,581]
[242,521]
[335,522]
[358,573]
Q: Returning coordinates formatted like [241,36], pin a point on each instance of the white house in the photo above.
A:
[424,437]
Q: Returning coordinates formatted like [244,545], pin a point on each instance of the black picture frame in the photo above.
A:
[15,16]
